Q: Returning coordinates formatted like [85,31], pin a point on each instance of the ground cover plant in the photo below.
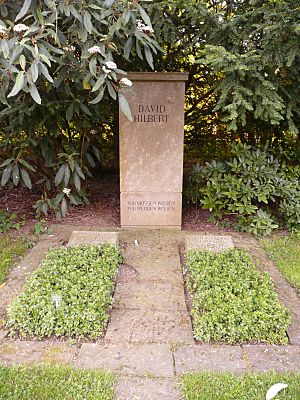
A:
[285,253]
[60,383]
[69,295]
[210,386]
[232,301]
[263,191]
[10,250]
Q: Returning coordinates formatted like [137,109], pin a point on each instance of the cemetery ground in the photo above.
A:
[148,345]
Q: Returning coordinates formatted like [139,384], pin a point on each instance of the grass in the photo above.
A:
[285,253]
[70,294]
[10,249]
[59,383]
[210,386]
[232,301]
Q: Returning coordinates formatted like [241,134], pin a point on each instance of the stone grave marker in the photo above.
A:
[151,150]
[92,238]
[214,243]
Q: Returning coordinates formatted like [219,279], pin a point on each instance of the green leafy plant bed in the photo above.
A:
[69,295]
[232,301]
[59,383]
[10,249]
[210,386]
[285,252]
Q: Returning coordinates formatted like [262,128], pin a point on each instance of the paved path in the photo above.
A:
[149,341]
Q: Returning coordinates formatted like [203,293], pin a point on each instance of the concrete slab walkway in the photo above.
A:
[149,341]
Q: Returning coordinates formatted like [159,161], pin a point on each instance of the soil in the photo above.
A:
[103,210]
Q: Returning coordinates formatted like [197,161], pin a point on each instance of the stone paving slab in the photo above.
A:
[280,358]
[154,326]
[209,358]
[92,238]
[13,352]
[138,360]
[215,243]
[150,273]
[149,295]
[132,388]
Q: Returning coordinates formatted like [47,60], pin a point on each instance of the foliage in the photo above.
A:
[208,385]
[8,221]
[262,190]
[10,250]
[40,227]
[57,62]
[232,301]
[69,295]
[285,253]
[243,60]
[55,382]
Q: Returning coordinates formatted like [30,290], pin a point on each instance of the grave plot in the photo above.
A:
[232,301]
[70,294]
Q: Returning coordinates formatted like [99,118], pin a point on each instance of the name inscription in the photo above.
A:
[150,205]
[151,113]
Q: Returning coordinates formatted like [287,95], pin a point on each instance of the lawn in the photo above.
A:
[59,383]
[210,386]
[285,253]
[232,301]
[10,250]
[70,294]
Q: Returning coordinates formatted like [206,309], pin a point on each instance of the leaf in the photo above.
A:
[24,9]
[111,90]
[35,94]
[6,162]
[108,3]
[77,182]
[6,175]
[149,56]
[45,72]
[90,160]
[26,164]
[85,109]
[34,71]
[16,175]
[145,16]
[60,174]
[125,107]
[64,207]
[18,84]
[98,98]
[127,47]
[87,22]
[22,61]
[275,389]
[70,112]
[26,178]
[67,175]
[79,171]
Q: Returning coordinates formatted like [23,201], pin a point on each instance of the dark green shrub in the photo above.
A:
[82,279]
[261,190]
[232,301]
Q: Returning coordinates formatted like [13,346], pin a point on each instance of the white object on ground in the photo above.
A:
[274,390]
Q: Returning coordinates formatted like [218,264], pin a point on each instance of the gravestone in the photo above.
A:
[214,243]
[92,238]
[151,151]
